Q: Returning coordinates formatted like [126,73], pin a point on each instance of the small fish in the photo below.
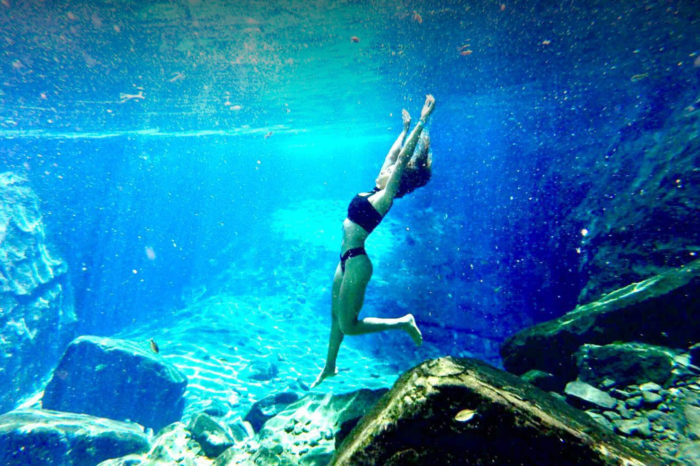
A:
[465,415]
[267,136]
[177,77]
[639,77]
[417,17]
[465,53]
[154,346]
[124,96]
[355,39]
[546,42]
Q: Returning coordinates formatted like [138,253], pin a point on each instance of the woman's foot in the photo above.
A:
[406,117]
[324,375]
[412,329]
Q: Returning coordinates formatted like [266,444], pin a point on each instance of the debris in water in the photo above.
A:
[465,415]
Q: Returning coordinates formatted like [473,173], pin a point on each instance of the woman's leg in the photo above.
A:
[336,336]
[358,271]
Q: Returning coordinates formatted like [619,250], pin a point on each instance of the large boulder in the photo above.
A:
[624,363]
[32,436]
[457,411]
[116,379]
[661,310]
[37,317]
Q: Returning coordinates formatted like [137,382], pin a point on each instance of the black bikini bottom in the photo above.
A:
[351,253]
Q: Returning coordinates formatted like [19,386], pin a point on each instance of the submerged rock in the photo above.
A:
[661,310]
[174,445]
[625,363]
[305,432]
[37,317]
[116,379]
[32,436]
[513,423]
[268,407]
[212,436]
[543,380]
[585,396]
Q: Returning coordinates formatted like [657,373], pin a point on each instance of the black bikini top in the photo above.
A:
[362,212]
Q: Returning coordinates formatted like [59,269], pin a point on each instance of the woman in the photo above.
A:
[402,172]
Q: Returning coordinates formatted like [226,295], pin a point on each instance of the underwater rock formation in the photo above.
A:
[32,436]
[37,317]
[268,407]
[174,445]
[640,213]
[661,310]
[210,435]
[629,361]
[625,363]
[116,379]
[306,432]
[447,410]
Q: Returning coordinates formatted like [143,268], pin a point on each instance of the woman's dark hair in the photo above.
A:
[419,169]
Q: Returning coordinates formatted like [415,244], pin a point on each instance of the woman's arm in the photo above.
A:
[392,185]
[396,147]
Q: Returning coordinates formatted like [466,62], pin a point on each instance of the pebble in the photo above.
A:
[612,415]
[634,403]
[638,427]
[650,387]
[626,413]
[654,415]
[328,434]
[652,398]
[620,394]
[607,383]
[600,419]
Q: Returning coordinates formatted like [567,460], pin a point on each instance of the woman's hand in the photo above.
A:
[428,107]
[406,119]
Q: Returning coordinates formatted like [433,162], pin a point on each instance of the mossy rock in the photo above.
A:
[662,310]
[463,411]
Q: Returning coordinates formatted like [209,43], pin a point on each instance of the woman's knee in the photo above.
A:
[348,327]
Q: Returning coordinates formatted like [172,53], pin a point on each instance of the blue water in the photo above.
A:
[226,184]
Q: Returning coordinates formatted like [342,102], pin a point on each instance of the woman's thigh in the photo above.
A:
[358,271]
[335,290]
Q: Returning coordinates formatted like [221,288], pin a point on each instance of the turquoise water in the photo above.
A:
[194,161]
